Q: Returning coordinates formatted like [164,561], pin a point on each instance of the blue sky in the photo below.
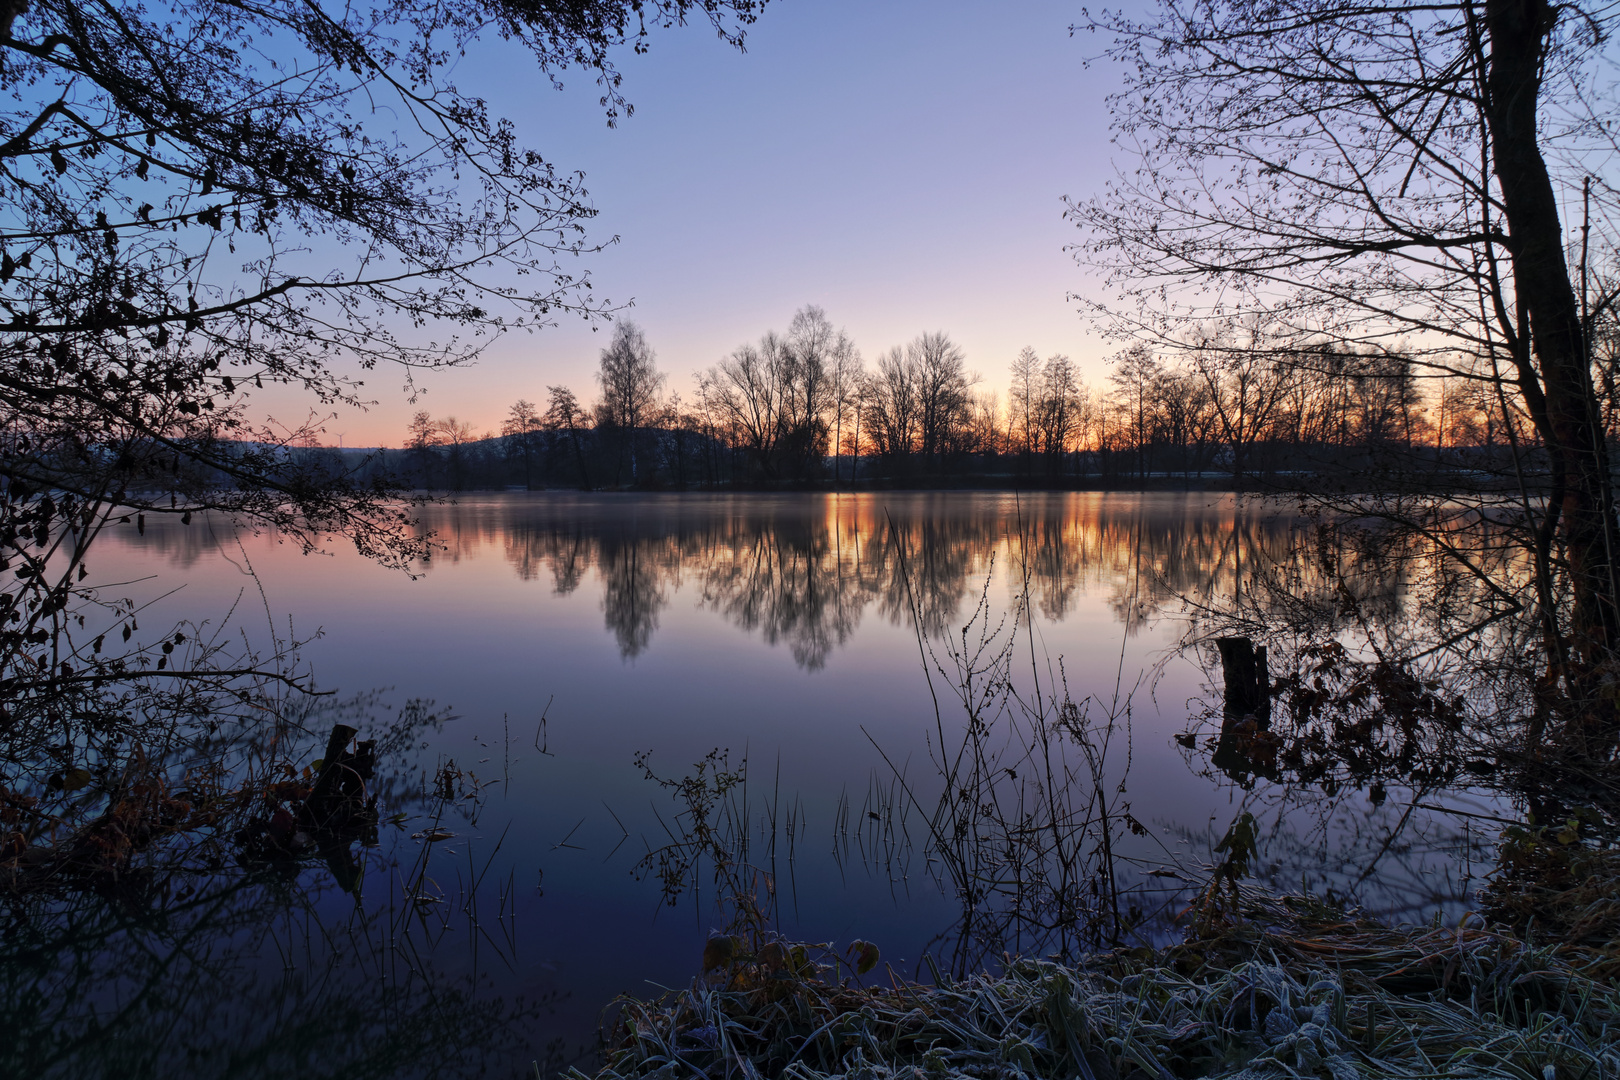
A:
[900,163]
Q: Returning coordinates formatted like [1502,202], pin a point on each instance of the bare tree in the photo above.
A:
[520,430]
[1383,177]
[630,384]
[745,393]
[858,403]
[1023,402]
[891,411]
[1247,381]
[824,361]
[807,395]
[1134,373]
[1462,415]
[422,435]
[1061,410]
[456,435]
[783,399]
[1183,400]
[564,416]
[983,431]
[942,384]
[848,370]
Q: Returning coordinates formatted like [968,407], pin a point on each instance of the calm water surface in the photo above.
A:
[566,633]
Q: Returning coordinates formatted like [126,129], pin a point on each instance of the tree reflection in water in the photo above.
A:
[803,571]
[1410,685]
[1407,730]
[1399,683]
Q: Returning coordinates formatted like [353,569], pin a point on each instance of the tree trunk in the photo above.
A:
[1518,31]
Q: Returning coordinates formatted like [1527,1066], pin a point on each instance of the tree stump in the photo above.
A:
[339,793]
[1248,680]
[1245,749]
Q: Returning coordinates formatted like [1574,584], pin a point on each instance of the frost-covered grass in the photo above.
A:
[1292,988]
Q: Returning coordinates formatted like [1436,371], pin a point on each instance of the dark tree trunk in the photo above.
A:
[1517,32]
[1248,680]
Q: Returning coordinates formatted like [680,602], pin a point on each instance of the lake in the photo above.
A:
[557,640]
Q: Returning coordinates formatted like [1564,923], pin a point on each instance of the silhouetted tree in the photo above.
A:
[942,383]
[1023,403]
[812,348]
[202,199]
[891,407]
[456,436]
[746,393]
[565,417]
[521,430]
[1062,411]
[1133,377]
[782,400]
[1247,380]
[1382,178]
[630,383]
[421,437]
[1183,401]
[846,372]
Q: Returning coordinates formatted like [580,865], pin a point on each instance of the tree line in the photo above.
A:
[1236,406]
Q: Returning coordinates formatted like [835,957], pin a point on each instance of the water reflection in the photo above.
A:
[247,936]
[803,571]
[1339,777]
[243,978]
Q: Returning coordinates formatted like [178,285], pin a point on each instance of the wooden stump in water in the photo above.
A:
[1248,680]
[1245,749]
[340,787]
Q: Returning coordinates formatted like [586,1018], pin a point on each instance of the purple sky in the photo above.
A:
[900,163]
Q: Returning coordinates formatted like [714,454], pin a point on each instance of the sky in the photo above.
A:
[901,164]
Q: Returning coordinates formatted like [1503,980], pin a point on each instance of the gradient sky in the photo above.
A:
[900,163]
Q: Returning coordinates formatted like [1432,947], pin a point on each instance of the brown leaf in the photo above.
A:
[717,952]
[865,956]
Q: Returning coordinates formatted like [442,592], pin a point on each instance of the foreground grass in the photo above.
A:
[1280,988]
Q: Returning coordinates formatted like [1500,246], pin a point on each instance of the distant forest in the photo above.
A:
[802,409]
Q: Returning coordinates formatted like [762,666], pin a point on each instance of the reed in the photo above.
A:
[1023,819]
